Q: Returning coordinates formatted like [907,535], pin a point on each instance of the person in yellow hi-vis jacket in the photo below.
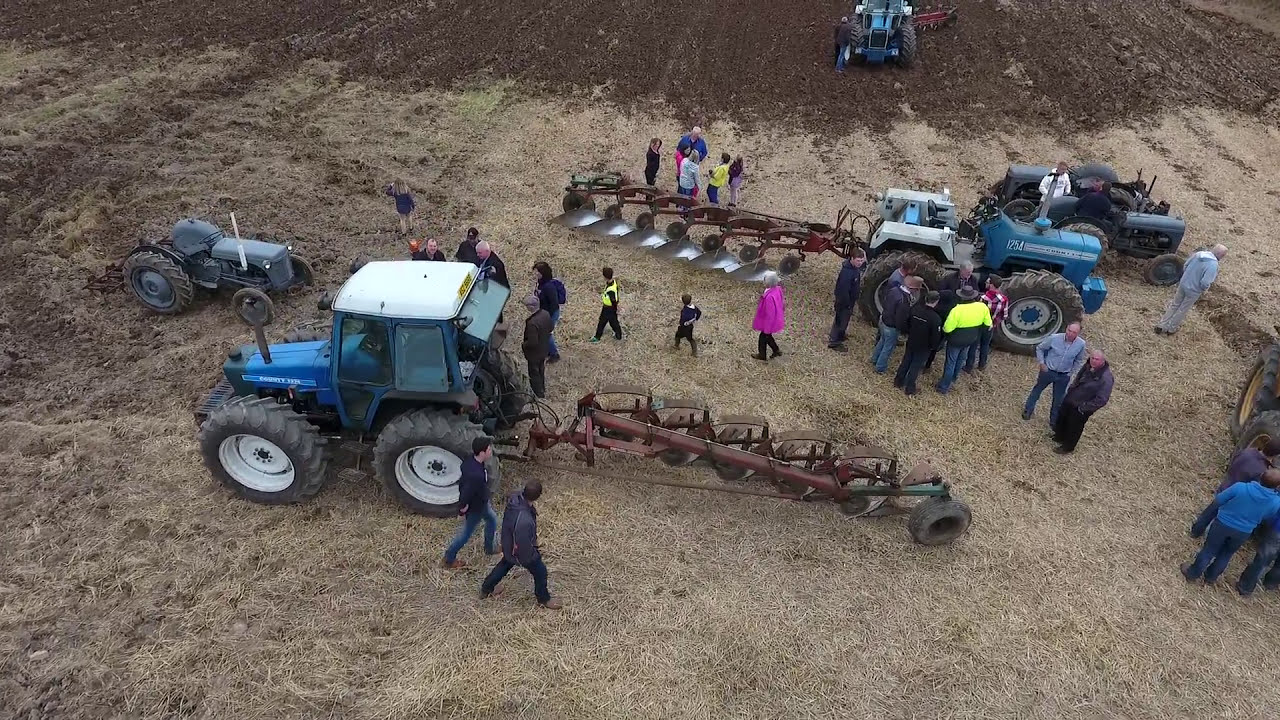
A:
[963,328]
[609,307]
[719,178]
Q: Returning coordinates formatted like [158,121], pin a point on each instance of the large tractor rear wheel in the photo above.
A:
[504,387]
[1259,392]
[158,282]
[878,272]
[1263,428]
[1041,303]
[418,457]
[908,45]
[264,451]
[1082,225]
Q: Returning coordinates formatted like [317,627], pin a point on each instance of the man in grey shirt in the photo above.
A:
[1061,356]
[1198,274]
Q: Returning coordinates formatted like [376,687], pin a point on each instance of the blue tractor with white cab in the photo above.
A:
[412,364]
[1047,271]
[886,30]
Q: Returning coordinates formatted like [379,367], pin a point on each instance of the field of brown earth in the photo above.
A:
[134,586]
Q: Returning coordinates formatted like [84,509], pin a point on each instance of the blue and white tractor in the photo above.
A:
[886,30]
[411,365]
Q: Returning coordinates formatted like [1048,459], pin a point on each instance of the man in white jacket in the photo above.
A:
[1057,183]
[1198,274]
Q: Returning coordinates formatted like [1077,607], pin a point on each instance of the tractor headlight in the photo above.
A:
[266,266]
[289,248]
[878,197]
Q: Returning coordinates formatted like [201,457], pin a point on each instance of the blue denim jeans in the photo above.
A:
[886,341]
[469,524]
[537,569]
[555,320]
[1206,517]
[951,370]
[1264,561]
[979,351]
[1059,381]
[1220,543]
[844,48]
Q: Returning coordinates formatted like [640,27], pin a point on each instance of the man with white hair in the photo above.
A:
[1197,275]
[692,141]
[1056,183]
[491,266]
[1088,394]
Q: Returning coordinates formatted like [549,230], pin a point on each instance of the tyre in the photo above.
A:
[878,272]
[576,200]
[253,307]
[1259,392]
[1086,226]
[264,451]
[1022,210]
[644,220]
[418,457]
[750,253]
[1041,303]
[856,41]
[613,212]
[1260,430]
[1163,270]
[789,264]
[936,521]
[908,46]
[158,282]
[676,230]
[303,273]
[712,243]
[1097,170]
[307,334]
[506,390]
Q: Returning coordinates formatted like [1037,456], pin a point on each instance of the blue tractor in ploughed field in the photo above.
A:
[885,30]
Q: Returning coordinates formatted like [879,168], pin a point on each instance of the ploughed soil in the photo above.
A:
[1069,65]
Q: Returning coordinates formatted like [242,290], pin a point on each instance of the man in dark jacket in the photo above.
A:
[491,266]
[467,249]
[1096,203]
[520,546]
[844,34]
[473,501]
[895,310]
[1250,463]
[924,335]
[537,345]
[1087,395]
[848,285]
[949,290]
[430,252]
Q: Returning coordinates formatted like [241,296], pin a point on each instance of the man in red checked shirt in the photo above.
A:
[998,303]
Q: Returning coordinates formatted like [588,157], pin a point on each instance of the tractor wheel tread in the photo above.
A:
[878,271]
[1263,396]
[279,423]
[1040,283]
[441,428]
[909,45]
[1265,423]
[184,290]
[517,389]
[923,524]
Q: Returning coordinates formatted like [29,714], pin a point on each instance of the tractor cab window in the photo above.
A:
[365,353]
[421,363]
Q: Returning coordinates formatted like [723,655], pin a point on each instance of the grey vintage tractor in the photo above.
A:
[1137,226]
[163,276]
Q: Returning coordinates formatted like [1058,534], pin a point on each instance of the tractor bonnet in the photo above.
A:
[193,236]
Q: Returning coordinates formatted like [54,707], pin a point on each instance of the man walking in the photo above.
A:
[473,498]
[848,285]
[520,547]
[998,303]
[537,345]
[924,335]
[1088,394]
[844,34]
[608,307]
[894,313]
[963,327]
[1061,356]
[1197,275]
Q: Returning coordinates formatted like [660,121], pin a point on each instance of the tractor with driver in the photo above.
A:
[886,30]
[411,365]
[1047,271]
[1137,226]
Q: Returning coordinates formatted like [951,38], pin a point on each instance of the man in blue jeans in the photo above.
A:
[895,312]
[473,500]
[1061,356]
[520,547]
[963,328]
[1232,516]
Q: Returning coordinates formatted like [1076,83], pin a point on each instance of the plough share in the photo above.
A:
[802,465]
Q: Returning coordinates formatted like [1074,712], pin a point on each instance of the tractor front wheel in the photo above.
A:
[264,451]
[1041,303]
[1163,270]
[936,521]
[1021,210]
[908,45]
[158,282]
[418,457]
[303,273]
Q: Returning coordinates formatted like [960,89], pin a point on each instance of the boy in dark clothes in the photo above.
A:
[924,335]
[689,314]
[651,160]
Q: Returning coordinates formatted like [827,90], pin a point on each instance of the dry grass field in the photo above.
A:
[133,586]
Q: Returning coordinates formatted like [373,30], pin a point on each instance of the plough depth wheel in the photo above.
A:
[677,230]
[749,253]
[644,220]
[576,201]
[938,521]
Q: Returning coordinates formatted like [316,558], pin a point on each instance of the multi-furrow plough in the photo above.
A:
[736,240]
[801,465]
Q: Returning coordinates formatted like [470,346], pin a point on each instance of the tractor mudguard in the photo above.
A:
[1093,293]
[164,250]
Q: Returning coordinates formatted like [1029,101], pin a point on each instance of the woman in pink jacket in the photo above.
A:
[771,316]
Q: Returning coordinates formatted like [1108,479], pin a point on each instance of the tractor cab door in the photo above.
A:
[364,368]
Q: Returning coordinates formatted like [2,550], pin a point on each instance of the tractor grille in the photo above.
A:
[879,40]
[220,394]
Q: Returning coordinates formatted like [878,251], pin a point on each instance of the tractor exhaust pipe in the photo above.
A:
[244,264]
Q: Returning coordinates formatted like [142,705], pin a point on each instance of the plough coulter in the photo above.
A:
[750,459]
[735,242]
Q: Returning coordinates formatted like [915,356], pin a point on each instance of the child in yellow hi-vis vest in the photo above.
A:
[608,307]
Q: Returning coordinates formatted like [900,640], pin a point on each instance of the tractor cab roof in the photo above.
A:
[408,289]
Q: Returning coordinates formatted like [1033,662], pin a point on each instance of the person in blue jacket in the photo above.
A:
[404,202]
[520,547]
[692,141]
[848,285]
[473,501]
[1230,519]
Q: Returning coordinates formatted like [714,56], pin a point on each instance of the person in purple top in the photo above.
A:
[1232,517]
[1250,463]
